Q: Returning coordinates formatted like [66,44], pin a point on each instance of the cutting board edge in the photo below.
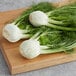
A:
[5,57]
[64,59]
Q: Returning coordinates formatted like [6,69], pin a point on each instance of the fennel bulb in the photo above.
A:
[38,18]
[12,33]
[63,18]
[48,42]
[30,49]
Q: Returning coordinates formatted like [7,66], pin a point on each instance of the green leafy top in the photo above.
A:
[59,40]
[66,14]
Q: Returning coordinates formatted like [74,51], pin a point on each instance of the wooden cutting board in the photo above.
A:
[18,64]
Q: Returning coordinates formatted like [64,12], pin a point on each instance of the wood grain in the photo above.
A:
[18,64]
[65,2]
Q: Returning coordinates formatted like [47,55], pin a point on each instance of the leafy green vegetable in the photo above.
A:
[23,20]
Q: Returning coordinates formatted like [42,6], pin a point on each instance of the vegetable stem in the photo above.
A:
[36,36]
[51,51]
[25,36]
[61,27]
[55,22]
